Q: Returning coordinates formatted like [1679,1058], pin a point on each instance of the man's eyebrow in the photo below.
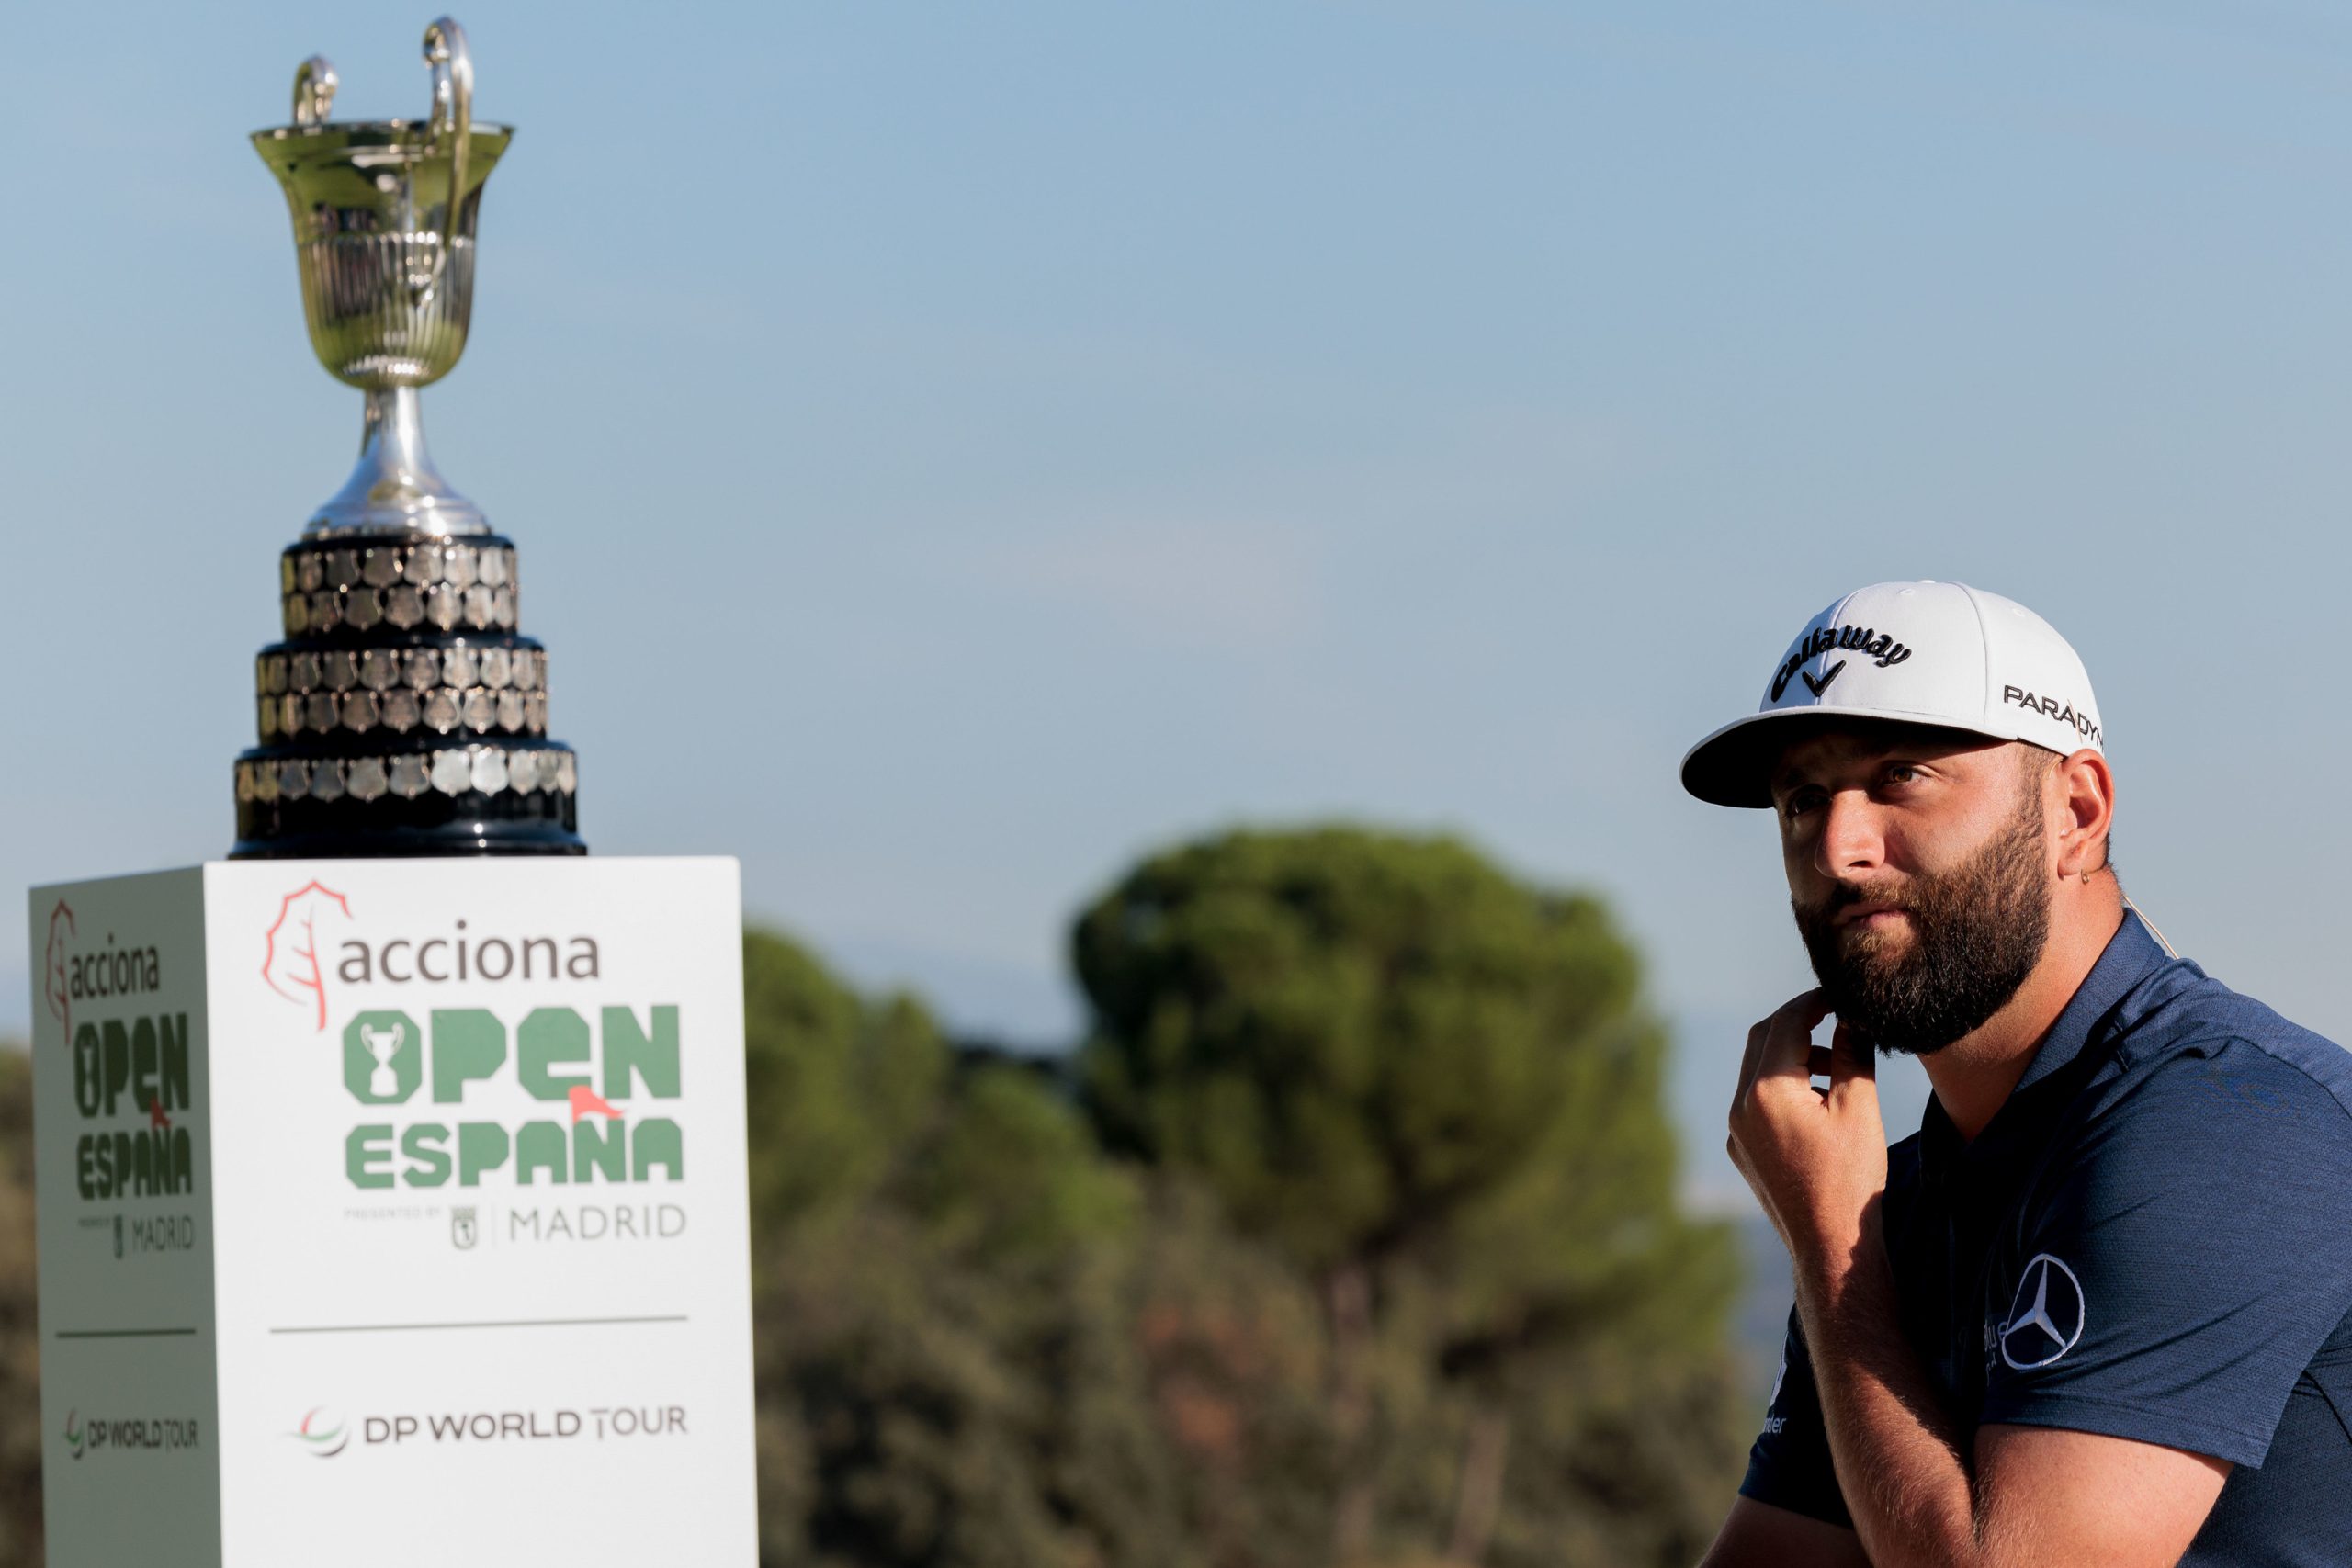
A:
[1788,776]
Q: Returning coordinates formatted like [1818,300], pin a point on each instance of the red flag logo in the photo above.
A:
[585,1100]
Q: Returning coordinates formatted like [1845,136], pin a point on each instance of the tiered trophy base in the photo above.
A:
[464,820]
[403,715]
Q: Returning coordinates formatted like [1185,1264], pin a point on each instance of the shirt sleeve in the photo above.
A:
[1789,1467]
[2184,1261]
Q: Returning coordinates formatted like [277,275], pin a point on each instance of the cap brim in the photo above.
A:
[1734,765]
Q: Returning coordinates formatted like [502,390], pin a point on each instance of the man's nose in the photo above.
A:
[1852,838]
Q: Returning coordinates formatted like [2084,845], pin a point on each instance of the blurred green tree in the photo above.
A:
[833,1085]
[1436,1092]
[20,1506]
[947,1375]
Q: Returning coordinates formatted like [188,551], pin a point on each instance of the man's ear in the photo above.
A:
[2083,788]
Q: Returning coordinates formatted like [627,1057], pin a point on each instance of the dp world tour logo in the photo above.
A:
[290,950]
[74,1433]
[53,978]
[2046,1318]
[323,1432]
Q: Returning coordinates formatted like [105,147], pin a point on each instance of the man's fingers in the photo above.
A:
[1787,1046]
[1780,1051]
[1853,1068]
[1749,1058]
[1769,1044]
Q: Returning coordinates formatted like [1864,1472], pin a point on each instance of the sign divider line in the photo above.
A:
[510,1322]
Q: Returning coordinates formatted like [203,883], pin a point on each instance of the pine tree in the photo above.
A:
[1435,1091]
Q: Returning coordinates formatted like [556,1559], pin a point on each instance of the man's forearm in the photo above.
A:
[1899,1463]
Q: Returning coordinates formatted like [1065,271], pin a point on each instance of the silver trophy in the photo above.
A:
[385,213]
[403,714]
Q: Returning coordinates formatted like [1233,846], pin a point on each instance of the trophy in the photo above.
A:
[382,1045]
[402,714]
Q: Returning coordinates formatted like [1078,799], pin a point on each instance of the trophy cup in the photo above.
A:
[383,1079]
[402,714]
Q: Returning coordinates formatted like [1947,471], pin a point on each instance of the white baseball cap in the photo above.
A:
[1936,653]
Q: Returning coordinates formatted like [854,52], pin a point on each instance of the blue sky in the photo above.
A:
[955,449]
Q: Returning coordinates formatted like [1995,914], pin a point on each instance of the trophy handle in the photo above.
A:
[314,84]
[453,118]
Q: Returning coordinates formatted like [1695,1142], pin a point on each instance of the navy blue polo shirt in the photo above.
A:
[2151,1239]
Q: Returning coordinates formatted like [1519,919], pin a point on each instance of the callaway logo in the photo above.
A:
[323,1432]
[2046,1318]
[1868,641]
[289,962]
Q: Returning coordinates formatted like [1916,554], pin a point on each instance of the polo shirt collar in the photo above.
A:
[2131,955]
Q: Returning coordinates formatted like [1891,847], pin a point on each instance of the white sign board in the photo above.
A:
[393,1211]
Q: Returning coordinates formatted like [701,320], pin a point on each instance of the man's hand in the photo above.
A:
[1815,1158]
[1922,1495]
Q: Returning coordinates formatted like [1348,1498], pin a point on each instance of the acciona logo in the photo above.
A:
[302,952]
[459,956]
[455,1088]
[70,975]
[289,960]
[55,971]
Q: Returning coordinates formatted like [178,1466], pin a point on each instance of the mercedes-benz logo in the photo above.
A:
[2046,1318]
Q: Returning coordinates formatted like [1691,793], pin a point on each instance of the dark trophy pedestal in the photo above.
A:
[403,715]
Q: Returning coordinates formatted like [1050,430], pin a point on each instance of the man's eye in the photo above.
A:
[1798,805]
[1902,774]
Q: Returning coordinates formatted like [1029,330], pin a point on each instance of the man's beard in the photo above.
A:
[1977,930]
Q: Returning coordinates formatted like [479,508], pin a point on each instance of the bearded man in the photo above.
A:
[2098,1312]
